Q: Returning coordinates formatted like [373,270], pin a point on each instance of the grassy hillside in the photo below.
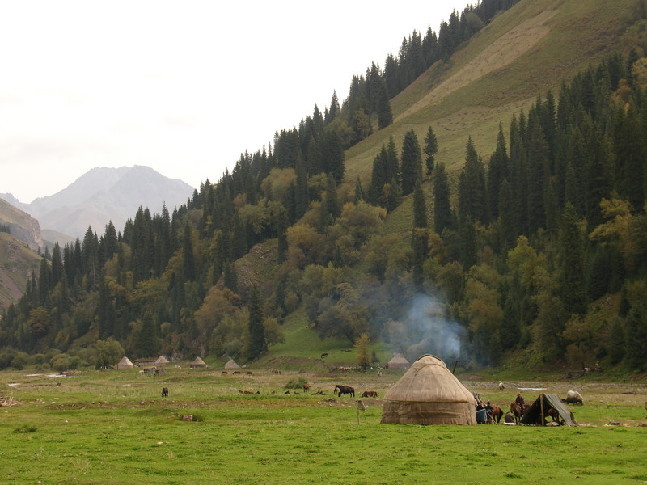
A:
[16,263]
[523,53]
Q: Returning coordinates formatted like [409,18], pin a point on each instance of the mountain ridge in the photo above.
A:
[106,194]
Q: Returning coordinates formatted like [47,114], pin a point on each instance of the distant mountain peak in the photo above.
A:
[107,194]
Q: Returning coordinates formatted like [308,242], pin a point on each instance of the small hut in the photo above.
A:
[428,393]
[398,362]
[125,363]
[198,363]
[161,360]
[231,365]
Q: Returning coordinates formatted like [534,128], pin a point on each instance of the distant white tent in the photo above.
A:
[231,365]
[198,363]
[161,360]
[398,362]
[125,363]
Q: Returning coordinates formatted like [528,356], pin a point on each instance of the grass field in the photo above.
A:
[113,427]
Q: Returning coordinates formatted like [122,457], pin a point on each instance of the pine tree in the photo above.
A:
[636,337]
[442,207]
[384,114]
[411,168]
[498,169]
[472,200]
[188,265]
[630,160]
[419,235]
[359,191]
[573,282]
[538,176]
[257,343]
[419,208]
[431,148]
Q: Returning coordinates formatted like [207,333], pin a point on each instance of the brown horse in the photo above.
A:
[517,410]
[495,414]
[369,394]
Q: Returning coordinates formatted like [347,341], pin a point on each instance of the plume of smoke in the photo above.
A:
[429,331]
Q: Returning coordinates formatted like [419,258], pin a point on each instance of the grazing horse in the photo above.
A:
[339,390]
[517,410]
[495,414]
[164,391]
[306,387]
[369,394]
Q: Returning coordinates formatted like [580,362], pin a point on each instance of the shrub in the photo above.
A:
[20,360]
[296,383]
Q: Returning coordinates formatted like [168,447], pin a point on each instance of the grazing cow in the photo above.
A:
[339,390]
[574,397]
[164,391]
[369,394]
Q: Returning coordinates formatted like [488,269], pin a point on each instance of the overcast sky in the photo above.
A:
[183,87]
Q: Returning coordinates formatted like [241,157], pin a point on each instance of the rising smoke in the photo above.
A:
[429,331]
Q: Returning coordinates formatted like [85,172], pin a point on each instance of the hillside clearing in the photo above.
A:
[505,50]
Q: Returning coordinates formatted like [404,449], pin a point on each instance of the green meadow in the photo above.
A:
[113,427]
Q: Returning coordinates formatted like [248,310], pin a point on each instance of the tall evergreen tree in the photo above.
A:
[573,281]
[384,114]
[498,169]
[411,168]
[431,148]
[188,266]
[442,206]
[636,335]
[472,201]
[257,342]
[419,235]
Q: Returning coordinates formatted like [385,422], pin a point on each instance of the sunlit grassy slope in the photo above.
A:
[523,53]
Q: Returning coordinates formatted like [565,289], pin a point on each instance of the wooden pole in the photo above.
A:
[541,406]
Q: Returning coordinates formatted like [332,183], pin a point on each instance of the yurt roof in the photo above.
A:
[161,360]
[198,360]
[231,364]
[429,380]
[125,361]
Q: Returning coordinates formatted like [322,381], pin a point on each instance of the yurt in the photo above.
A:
[125,363]
[161,360]
[398,362]
[231,365]
[198,363]
[428,393]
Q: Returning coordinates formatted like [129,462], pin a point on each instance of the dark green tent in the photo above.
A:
[539,409]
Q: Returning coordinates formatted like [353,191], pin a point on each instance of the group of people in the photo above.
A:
[485,411]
